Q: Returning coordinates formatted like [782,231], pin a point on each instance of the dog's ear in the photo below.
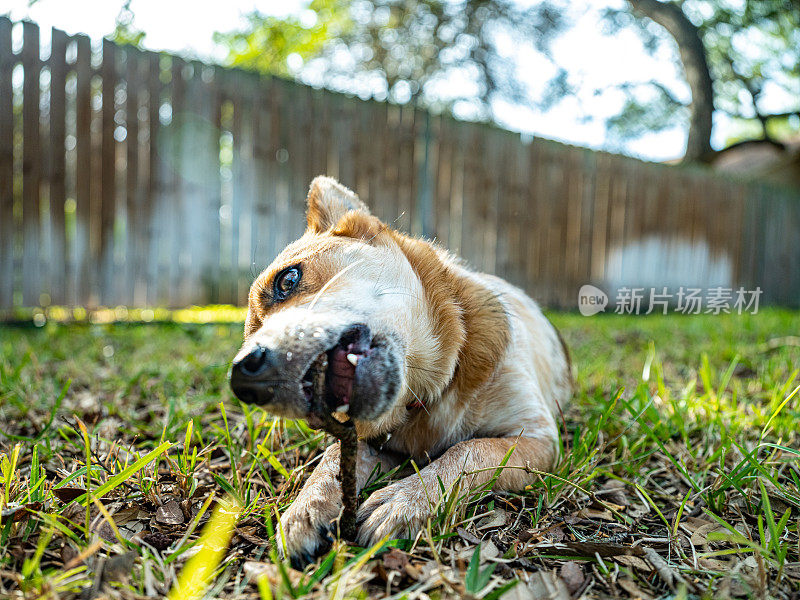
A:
[328,202]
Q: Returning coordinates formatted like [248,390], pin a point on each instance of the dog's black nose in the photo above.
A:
[248,373]
[253,364]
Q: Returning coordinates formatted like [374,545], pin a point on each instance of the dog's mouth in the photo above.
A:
[345,360]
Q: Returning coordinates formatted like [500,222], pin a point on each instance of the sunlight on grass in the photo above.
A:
[679,449]
[200,568]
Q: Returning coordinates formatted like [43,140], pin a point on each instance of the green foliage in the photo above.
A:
[695,417]
[403,50]
[280,45]
[751,49]
[125,32]
[477,578]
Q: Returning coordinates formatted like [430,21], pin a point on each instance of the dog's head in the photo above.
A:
[345,288]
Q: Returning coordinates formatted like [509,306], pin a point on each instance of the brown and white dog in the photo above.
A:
[447,366]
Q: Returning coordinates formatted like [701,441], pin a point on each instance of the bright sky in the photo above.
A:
[186,26]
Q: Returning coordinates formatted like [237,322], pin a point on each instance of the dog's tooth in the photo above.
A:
[343,408]
[352,359]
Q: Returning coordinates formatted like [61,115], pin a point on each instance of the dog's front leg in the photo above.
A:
[308,522]
[401,509]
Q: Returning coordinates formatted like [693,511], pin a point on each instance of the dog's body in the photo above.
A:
[431,360]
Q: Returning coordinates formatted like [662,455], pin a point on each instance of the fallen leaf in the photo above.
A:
[489,550]
[156,539]
[700,535]
[395,559]
[556,534]
[614,491]
[591,513]
[636,511]
[67,553]
[413,571]
[248,533]
[68,494]
[119,567]
[19,512]
[170,513]
[546,584]
[498,518]
[634,590]
[714,564]
[634,562]
[573,576]
[468,537]
[666,572]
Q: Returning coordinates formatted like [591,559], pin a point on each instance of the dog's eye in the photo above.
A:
[286,282]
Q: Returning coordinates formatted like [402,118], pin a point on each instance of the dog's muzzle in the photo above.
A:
[362,379]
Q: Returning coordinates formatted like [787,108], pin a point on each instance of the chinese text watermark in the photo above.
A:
[684,300]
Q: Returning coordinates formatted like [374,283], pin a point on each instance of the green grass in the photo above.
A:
[679,476]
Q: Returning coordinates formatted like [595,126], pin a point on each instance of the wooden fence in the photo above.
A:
[138,178]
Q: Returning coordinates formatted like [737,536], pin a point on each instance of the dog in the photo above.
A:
[432,361]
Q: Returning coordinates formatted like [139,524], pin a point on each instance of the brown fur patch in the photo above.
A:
[469,319]
[359,225]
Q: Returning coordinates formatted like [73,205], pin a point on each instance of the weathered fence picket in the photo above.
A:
[139,178]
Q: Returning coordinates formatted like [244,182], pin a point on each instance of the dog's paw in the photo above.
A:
[399,510]
[308,529]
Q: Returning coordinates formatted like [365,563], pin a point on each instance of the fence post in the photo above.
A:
[7,228]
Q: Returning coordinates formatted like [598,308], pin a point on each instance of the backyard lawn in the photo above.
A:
[679,474]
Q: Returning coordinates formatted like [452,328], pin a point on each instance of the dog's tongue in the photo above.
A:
[340,375]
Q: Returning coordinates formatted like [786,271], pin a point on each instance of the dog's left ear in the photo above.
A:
[329,201]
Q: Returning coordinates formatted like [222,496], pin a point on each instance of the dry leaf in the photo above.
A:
[67,493]
[591,513]
[170,513]
[248,533]
[395,559]
[498,518]
[18,512]
[546,584]
[614,491]
[573,576]
[118,568]
[156,539]
[634,562]
[714,564]
[667,573]
[468,537]
[700,535]
[636,593]
[413,571]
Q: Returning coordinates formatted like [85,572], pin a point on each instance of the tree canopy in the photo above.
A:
[439,53]
[734,55]
[739,58]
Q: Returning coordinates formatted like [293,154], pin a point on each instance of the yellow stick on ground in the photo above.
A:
[196,575]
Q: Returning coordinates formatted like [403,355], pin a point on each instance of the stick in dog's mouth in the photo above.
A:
[336,423]
[339,375]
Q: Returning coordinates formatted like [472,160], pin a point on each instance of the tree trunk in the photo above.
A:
[698,76]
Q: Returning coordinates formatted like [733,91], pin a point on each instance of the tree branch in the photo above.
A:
[698,76]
